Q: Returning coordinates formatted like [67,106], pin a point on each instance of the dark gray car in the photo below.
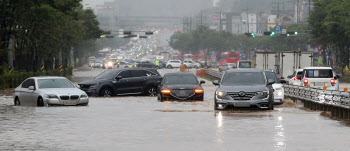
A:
[247,88]
[123,81]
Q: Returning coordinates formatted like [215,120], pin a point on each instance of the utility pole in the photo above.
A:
[220,21]
[248,17]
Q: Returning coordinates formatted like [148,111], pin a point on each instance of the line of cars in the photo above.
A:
[238,88]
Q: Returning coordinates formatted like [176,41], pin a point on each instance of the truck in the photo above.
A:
[265,60]
[166,55]
[293,60]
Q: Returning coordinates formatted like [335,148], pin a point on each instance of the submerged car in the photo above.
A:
[244,88]
[46,91]
[123,81]
[180,86]
[278,92]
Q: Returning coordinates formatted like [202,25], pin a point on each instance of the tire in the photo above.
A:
[151,91]
[160,99]
[17,102]
[169,67]
[196,67]
[106,92]
[40,102]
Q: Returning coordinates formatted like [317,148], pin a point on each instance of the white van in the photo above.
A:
[318,77]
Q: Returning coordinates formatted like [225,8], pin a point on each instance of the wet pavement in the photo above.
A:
[142,123]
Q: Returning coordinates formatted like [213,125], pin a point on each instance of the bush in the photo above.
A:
[8,80]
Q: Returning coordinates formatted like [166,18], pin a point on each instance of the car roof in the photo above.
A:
[318,68]
[179,73]
[47,77]
[244,70]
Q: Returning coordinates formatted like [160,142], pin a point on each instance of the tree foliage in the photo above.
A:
[43,28]
[329,21]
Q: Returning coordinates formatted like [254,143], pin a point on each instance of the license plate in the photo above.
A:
[182,93]
[242,104]
[319,83]
[70,103]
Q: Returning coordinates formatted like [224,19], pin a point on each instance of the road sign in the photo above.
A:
[278,28]
[284,31]
[258,31]
[182,59]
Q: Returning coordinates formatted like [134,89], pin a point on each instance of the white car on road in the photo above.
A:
[278,90]
[320,77]
[191,64]
[293,79]
[46,91]
[173,64]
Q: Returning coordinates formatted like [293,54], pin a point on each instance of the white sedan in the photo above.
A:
[46,91]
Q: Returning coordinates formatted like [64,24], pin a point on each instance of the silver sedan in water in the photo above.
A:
[46,91]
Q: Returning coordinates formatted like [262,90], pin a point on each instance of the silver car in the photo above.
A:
[46,91]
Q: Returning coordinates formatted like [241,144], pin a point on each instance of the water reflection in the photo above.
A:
[279,136]
[219,129]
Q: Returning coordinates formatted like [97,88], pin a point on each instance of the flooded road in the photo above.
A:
[142,123]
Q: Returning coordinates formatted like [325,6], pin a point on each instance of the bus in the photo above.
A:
[190,57]
[176,57]
[229,57]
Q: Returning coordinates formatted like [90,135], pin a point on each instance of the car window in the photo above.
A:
[180,79]
[319,73]
[243,78]
[149,73]
[124,74]
[26,84]
[54,83]
[137,73]
[109,74]
[245,65]
[271,75]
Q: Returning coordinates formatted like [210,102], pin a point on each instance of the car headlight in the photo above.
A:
[94,85]
[264,94]
[279,92]
[83,96]
[51,96]
[220,94]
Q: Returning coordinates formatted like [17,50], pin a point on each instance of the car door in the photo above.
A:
[32,96]
[122,86]
[137,80]
[27,96]
[22,92]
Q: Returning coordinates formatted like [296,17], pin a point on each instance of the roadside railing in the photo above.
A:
[336,102]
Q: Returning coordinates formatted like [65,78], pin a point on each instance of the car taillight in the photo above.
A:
[165,91]
[306,81]
[199,90]
[333,82]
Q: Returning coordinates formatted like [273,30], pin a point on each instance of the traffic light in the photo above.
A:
[250,34]
[149,33]
[292,33]
[127,32]
[270,33]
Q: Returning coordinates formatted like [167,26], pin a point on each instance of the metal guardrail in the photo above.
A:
[213,74]
[336,102]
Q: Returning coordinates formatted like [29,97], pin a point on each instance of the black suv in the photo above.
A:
[244,88]
[133,81]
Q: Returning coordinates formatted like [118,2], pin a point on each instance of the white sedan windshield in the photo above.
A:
[54,83]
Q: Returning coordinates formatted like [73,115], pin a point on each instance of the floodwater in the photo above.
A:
[142,123]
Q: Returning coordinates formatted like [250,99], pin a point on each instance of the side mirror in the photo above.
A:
[31,88]
[202,82]
[216,82]
[77,86]
[336,77]
[270,81]
[283,81]
[290,76]
[118,78]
